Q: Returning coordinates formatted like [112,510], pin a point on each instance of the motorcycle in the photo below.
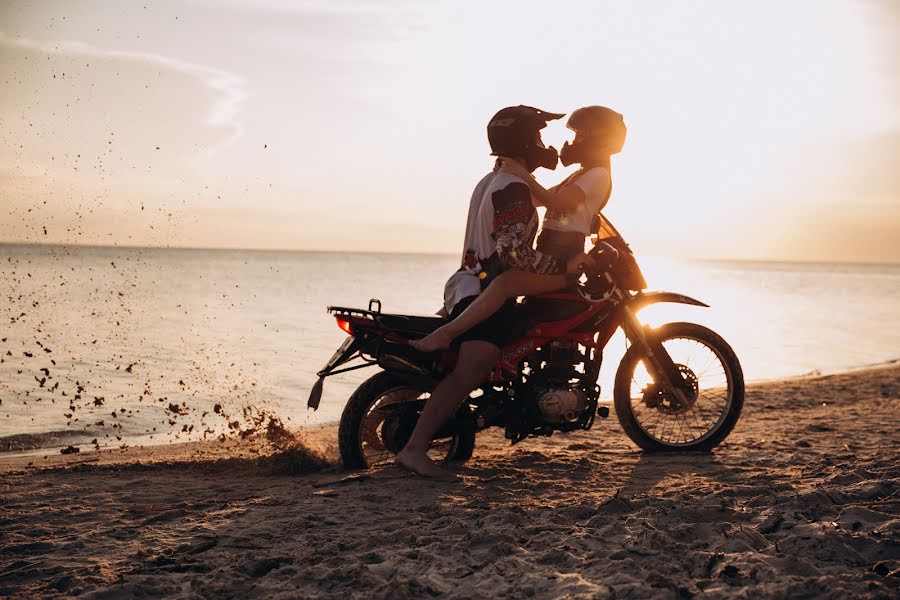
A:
[679,387]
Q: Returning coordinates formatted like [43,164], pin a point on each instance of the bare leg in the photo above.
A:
[508,285]
[475,361]
[486,304]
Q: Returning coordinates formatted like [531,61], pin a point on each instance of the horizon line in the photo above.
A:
[410,253]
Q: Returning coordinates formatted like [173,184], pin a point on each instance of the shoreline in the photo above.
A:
[50,456]
[802,500]
[885,364]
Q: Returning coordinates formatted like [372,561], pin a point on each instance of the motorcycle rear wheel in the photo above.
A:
[364,433]
[656,422]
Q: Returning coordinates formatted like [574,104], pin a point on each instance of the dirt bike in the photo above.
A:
[678,387]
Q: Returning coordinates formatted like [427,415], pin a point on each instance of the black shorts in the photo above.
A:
[500,329]
[561,245]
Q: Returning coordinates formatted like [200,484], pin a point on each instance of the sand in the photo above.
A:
[803,500]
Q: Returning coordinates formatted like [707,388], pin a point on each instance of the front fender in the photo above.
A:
[644,299]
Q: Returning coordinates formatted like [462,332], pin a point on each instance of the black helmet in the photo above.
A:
[516,131]
[602,130]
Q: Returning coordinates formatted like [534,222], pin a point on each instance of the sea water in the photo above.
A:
[124,346]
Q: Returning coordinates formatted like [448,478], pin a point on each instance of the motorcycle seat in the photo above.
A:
[410,324]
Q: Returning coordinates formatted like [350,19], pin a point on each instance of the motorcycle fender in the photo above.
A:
[347,350]
[643,300]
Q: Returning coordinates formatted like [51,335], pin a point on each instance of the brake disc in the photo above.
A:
[666,402]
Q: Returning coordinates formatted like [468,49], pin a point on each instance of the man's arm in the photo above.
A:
[512,211]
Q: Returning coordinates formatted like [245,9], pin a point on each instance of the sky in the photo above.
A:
[756,130]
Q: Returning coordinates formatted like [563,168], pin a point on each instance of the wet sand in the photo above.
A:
[803,500]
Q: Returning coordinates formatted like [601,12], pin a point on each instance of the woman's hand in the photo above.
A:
[515,168]
[580,263]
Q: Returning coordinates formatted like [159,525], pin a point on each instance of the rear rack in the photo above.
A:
[358,312]
[351,312]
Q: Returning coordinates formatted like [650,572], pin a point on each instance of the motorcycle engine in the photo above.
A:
[562,405]
[552,395]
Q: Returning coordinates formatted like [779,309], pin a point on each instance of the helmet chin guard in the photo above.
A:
[569,154]
[542,157]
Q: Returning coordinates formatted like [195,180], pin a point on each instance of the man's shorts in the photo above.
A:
[500,329]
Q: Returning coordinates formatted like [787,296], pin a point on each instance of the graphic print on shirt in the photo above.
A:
[515,224]
[558,216]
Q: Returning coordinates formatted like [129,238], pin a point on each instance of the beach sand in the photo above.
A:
[802,500]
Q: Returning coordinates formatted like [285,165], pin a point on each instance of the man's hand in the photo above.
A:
[580,263]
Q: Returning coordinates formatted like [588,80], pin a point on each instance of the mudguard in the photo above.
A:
[347,350]
[645,299]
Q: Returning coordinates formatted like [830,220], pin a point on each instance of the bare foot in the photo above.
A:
[423,466]
[436,340]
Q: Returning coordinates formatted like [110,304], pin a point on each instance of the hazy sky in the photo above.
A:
[763,129]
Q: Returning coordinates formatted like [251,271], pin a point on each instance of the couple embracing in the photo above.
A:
[499,261]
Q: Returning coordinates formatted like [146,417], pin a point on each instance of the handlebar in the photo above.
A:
[605,256]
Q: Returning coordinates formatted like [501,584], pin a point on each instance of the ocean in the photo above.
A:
[110,347]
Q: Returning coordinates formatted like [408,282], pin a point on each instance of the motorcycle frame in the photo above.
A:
[602,318]
[618,310]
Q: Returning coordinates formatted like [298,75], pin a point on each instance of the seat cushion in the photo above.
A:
[409,323]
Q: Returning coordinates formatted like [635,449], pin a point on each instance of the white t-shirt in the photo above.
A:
[499,235]
[595,184]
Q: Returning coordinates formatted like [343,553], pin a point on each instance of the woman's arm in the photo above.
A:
[566,199]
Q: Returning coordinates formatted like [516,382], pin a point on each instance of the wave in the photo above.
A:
[22,442]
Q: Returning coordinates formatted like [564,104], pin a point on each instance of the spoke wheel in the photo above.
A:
[699,418]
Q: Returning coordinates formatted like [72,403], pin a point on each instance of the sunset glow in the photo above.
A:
[761,130]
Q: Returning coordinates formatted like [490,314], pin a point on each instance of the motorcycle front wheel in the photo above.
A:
[379,418]
[657,420]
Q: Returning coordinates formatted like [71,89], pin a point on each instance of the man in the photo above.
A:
[500,232]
